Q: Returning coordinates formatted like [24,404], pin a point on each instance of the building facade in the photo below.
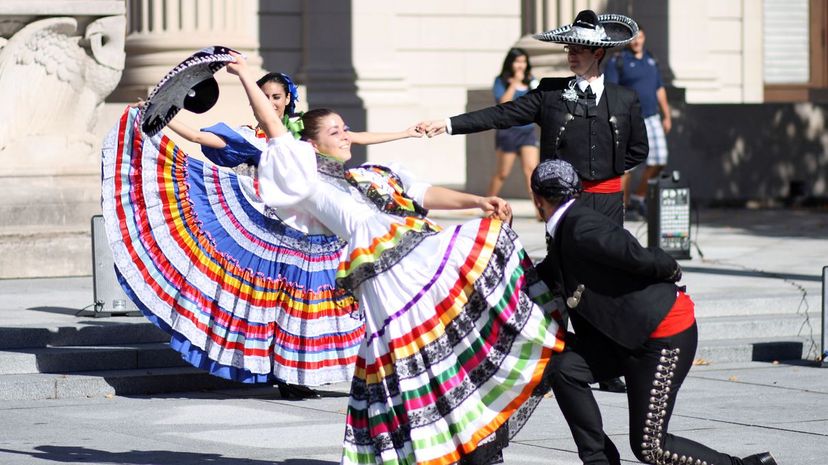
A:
[733,67]
[747,79]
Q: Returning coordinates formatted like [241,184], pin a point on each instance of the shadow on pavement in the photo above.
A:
[264,392]
[149,457]
[56,310]
[753,274]
[767,222]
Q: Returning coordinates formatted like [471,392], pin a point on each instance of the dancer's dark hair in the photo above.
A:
[312,122]
[287,84]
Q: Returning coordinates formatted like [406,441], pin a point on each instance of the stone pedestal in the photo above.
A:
[351,66]
[54,116]
[59,59]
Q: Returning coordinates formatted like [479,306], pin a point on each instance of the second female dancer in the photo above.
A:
[458,326]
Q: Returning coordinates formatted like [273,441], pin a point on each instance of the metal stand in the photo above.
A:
[99,311]
[668,214]
[824,361]
[110,298]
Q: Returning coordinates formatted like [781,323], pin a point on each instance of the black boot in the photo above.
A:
[762,458]
[296,392]
[612,385]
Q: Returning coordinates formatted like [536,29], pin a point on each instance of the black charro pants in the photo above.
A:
[611,205]
[654,373]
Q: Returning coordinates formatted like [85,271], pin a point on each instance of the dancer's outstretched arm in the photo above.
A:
[205,139]
[368,138]
[441,198]
[262,109]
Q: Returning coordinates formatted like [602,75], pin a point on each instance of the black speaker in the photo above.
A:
[110,298]
[668,214]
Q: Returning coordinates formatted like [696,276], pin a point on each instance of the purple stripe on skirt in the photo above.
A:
[422,292]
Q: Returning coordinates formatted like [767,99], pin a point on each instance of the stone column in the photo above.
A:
[382,85]
[351,64]
[327,69]
[689,54]
[162,33]
[752,53]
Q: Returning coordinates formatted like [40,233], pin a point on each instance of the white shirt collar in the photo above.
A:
[597,86]
[553,222]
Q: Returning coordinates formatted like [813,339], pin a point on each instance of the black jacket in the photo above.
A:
[628,288]
[546,107]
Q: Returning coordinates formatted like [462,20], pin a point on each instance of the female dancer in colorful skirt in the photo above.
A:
[240,147]
[246,291]
[459,328]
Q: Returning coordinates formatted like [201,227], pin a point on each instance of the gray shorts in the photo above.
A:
[512,139]
[657,141]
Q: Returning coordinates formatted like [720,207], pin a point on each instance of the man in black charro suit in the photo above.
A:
[594,125]
[630,318]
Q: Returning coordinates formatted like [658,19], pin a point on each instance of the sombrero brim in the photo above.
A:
[190,85]
[619,29]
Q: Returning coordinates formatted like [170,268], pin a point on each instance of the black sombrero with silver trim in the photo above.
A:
[591,30]
[190,85]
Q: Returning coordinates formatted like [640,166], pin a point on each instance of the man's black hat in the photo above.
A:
[555,179]
[592,30]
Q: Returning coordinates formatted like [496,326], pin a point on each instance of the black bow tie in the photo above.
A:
[586,93]
[587,105]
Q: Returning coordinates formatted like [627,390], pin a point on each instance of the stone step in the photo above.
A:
[101,383]
[759,326]
[36,252]
[757,350]
[96,371]
[109,383]
[102,334]
[88,358]
[37,202]
[713,306]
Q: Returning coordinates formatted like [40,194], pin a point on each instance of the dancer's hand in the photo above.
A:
[415,131]
[138,104]
[495,207]
[676,276]
[239,66]
[433,128]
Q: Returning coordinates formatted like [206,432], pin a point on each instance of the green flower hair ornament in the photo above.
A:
[294,125]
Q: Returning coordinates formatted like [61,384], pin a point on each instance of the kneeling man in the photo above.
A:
[630,319]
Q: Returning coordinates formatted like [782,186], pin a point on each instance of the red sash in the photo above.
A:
[607,186]
[680,317]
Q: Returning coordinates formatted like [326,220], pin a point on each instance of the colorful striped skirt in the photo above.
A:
[243,295]
[458,333]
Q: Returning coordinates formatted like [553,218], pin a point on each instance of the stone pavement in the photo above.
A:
[757,266]
[740,409]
